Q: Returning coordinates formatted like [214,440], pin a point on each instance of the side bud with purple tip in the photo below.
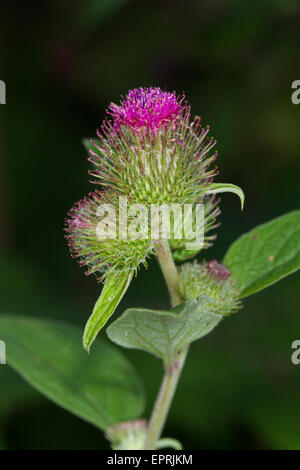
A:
[212,279]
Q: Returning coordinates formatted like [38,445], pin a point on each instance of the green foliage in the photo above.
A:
[266,254]
[164,333]
[101,388]
[114,288]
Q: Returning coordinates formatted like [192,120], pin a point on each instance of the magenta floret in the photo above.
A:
[147,109]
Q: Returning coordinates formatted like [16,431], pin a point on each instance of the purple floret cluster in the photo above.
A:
[147,109]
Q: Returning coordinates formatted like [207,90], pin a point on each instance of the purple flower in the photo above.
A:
[145,109]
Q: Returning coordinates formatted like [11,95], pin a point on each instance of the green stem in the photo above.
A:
[172,373]
[164,400]
[169,270]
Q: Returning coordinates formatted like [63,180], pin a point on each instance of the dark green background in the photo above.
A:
[63,62]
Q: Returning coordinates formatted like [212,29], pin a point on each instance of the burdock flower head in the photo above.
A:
[92,227]
[149,152]
[152,152]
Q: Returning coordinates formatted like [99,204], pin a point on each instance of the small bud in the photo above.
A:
[212,279]
[128,435]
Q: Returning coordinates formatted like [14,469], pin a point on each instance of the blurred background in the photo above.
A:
[63,62]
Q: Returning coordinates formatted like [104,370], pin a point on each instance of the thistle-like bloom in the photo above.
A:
[145,109]
[212,279]
[171,165]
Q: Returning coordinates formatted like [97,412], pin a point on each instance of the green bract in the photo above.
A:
[114,289]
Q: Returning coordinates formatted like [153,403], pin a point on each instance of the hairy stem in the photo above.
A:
[169,270]
[173,371]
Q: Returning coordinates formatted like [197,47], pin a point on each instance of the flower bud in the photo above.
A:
[212,279]
[128,435]
[94,237]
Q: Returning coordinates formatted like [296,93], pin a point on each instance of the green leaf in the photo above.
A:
[266,254]
[114,288]
[101,388]
[164,333]
[216,188]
